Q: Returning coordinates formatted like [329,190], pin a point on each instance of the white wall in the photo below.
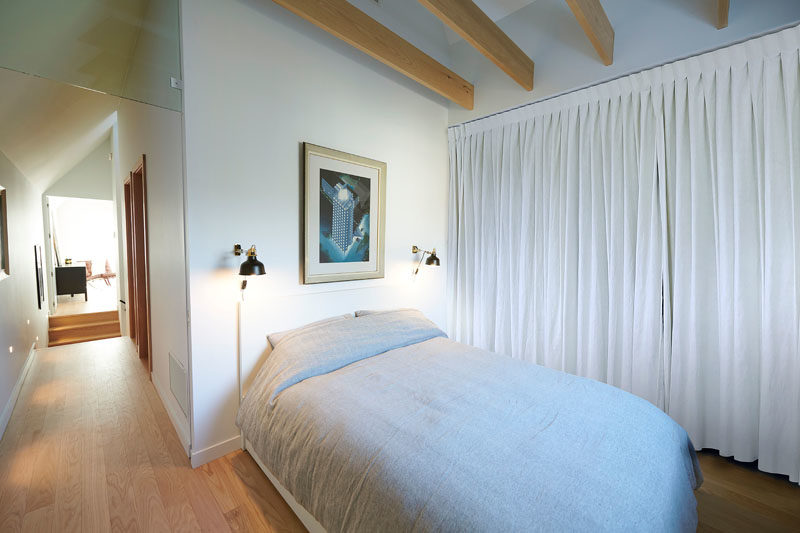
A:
[156,132]
[21,320]
[91,178]
[264,83]
[651,33]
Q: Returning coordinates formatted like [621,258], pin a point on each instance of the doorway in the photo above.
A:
[83,254]
[135,192]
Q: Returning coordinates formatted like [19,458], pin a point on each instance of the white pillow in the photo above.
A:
[275,338]
[366,312]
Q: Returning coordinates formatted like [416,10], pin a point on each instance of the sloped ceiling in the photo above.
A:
[497,9]
[47,127]
[494,9]
[413,22]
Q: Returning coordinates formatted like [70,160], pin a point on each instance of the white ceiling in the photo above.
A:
[46,127]
[495,9]
[498,9]
[414,23]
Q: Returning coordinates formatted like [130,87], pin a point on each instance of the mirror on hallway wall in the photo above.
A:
[129,49]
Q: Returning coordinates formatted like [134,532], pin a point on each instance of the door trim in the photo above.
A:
[138,312]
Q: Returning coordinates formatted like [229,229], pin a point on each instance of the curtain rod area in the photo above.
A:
[628,73]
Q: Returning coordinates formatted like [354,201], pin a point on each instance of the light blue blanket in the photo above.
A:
[383,424]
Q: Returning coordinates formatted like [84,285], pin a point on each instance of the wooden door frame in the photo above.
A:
[131,280]
[139,324]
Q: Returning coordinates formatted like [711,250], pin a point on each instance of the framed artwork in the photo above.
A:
[345,215]
[37,255]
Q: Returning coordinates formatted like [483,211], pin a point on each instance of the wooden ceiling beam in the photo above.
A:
[723,7]
[471,23]
[353,26]
[592,18]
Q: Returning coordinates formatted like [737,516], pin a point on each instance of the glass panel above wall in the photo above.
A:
[128,48]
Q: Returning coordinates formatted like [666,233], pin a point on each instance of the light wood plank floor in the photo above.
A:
[90,448]
[102,297]
[737,497]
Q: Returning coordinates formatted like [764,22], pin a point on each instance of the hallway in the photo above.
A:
[90,448]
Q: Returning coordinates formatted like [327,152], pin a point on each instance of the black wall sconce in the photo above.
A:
[251,266]
[432,260]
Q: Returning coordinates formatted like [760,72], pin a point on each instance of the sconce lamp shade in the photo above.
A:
[433,259]
[252,266]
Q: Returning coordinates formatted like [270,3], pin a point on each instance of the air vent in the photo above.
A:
[179,383]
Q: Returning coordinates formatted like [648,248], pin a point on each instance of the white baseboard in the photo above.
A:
[175,413]
[201,457]
[12,400]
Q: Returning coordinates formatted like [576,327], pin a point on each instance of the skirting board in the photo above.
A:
[12,400]
[305,517]
[175,413]
[206,455]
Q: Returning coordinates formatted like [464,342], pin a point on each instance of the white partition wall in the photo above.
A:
[253,95]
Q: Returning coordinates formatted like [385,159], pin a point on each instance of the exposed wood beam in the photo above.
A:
[467,19]
[353,26]
[592,18]
[723,6]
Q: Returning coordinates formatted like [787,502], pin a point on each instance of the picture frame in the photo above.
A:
[5,269]
[37,258]
[345,216]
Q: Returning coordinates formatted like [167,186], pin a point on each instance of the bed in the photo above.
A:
[381,423]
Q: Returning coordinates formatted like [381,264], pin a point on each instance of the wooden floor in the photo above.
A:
[737,497]
[101,297]
[90,448]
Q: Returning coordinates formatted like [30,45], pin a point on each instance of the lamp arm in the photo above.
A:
[416,249]
[424,253]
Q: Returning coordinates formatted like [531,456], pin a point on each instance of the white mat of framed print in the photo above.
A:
[345,216]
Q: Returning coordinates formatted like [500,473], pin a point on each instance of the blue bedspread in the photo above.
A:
[383,424]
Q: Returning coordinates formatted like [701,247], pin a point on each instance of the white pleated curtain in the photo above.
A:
[645,232]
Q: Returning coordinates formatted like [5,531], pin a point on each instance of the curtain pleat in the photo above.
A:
[646,233]
[565,205]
